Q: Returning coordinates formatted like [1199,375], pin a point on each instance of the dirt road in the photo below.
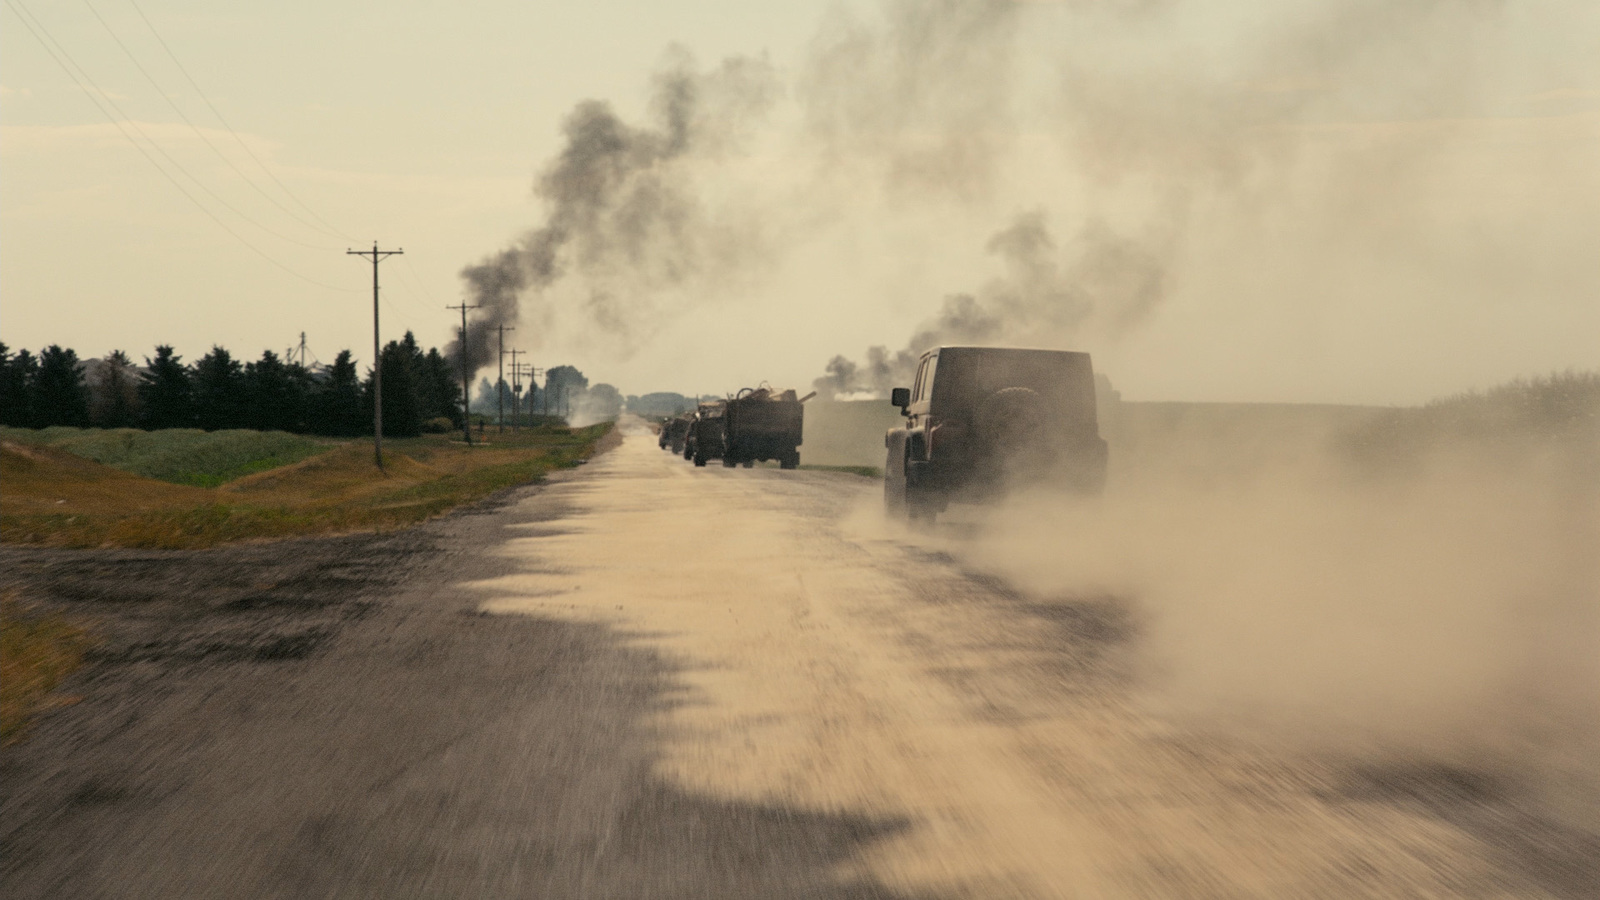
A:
[646,679]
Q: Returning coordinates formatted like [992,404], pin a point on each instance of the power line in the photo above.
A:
[153,144]
[218,113]
[207,141]
[416,279]
[100,99]
[414,294]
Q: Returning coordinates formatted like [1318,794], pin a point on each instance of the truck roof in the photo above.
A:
[966,375]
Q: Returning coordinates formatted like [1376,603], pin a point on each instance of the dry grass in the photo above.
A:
[37,652]
[54,498]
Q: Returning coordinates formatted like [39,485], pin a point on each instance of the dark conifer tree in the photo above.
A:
[60,396]
[165,392]
[16,387]
[114,392]
[337,403]
[302,387]
[273,399]
[402,410]
[219,391]
[439,388]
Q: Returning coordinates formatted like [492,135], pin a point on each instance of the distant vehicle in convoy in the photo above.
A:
[706,439]
[983,420]
[673,433]
[763,424]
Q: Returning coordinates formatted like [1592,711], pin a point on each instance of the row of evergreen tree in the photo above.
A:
[218,391]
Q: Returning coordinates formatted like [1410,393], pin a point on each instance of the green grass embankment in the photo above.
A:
[58,498]
[178,455]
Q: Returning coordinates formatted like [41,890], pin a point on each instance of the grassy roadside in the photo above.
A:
[59,499]
[38,650]
[179,455]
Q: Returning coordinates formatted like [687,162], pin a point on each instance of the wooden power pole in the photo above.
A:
[516,386]
[466,376]
[500,385]
[377,360]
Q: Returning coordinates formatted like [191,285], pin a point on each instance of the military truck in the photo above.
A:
[705,439]
[981,421]
[673,433]
[764,424]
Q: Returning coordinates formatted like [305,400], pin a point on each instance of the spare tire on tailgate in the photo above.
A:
[1011,424]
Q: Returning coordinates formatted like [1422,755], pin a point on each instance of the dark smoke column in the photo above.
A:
[623,215]
[492,288]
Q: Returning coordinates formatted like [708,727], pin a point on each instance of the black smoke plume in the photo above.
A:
[1100,284]
[624,220]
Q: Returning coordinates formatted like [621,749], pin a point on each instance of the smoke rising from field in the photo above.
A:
[624,218]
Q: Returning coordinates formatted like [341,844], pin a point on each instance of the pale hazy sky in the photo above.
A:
[1345,202]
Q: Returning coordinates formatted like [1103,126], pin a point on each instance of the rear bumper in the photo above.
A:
[1080,467]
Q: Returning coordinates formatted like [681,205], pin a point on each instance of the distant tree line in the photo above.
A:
[420,391]
[565,394]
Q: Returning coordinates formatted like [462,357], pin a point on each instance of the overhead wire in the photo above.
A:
[415,287]
[101,100]
[225,124]
[213,147]
[106,96]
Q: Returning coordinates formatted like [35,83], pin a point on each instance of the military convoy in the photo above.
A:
[980,422]
[755,425]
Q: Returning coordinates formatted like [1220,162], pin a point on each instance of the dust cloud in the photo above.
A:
[1432,605]
[1154,138]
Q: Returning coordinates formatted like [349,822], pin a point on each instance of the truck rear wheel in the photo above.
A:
[790,460]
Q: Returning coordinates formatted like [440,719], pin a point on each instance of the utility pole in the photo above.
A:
[516,385]
[377,361]
[466,376]
[500,385]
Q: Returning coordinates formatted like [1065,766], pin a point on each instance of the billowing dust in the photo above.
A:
[832,661]
[1442,609]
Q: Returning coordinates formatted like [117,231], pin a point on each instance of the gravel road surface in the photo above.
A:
[643,679]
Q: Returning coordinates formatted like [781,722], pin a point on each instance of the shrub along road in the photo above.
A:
[644,679]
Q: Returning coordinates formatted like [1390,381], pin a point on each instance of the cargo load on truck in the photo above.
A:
[763,424]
